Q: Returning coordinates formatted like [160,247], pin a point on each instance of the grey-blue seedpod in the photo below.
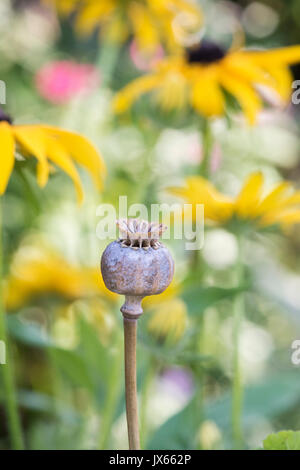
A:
[137,264]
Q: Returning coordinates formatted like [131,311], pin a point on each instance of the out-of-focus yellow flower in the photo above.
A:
[39,270]
[172,291]
[63,330]
[200,77]
[99,315]
[47,144]
[279,206]
[169,316]
[169,319]
[151,22]
[93,310]
[209,435]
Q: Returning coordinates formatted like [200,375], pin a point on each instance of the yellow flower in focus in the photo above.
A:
[150,22]
[169,319]
[49,145]
[200,77]
[38,270]
[279,206]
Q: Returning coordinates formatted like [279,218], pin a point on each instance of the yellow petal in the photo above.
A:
[247,201]
[144,28]
[284,55]
[283,79]
[217,207]
[290,218]
[180,192]
[172,291]
[57,154]
[126,97]
[172,92]
[93,14]
[65,7]
[273,199]
[7,158]
[116,31]
[207,98]
[292,200]
[239,65]
[169,319]
[83,152]
[283,217]
[244,93]
[32,139]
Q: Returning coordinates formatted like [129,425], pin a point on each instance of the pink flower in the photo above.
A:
[142,60]
[179,381]
[60,81]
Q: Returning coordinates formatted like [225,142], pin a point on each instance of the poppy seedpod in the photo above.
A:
[137,264]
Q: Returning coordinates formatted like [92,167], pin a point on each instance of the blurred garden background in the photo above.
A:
[181,107]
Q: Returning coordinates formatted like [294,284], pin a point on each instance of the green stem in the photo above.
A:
[112,395]
[10,396]
[207,142]
[237,390]
[107,61]
[199,372]
[32,198]
[145,393]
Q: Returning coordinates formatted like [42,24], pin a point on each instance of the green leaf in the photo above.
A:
[42,403]
[283,440]
[199,298]
[178,432]
[28,333]
[268,399]
[73,367]
[101,360]
[95,354]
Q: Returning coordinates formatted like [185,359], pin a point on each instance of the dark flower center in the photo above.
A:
[5,117]
[205,53]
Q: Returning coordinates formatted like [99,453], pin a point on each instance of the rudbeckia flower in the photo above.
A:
[202,75]
[37,269]
[279,206]
[150,22]
[169,317]
[169,320]
[49,145]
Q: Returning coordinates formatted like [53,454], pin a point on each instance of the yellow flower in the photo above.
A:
[279,206]
[200,78]
[169,316]
[37,269]
[48,145]
[96,312]
[209,435]
[169,319]
[150,22]
[171,292]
